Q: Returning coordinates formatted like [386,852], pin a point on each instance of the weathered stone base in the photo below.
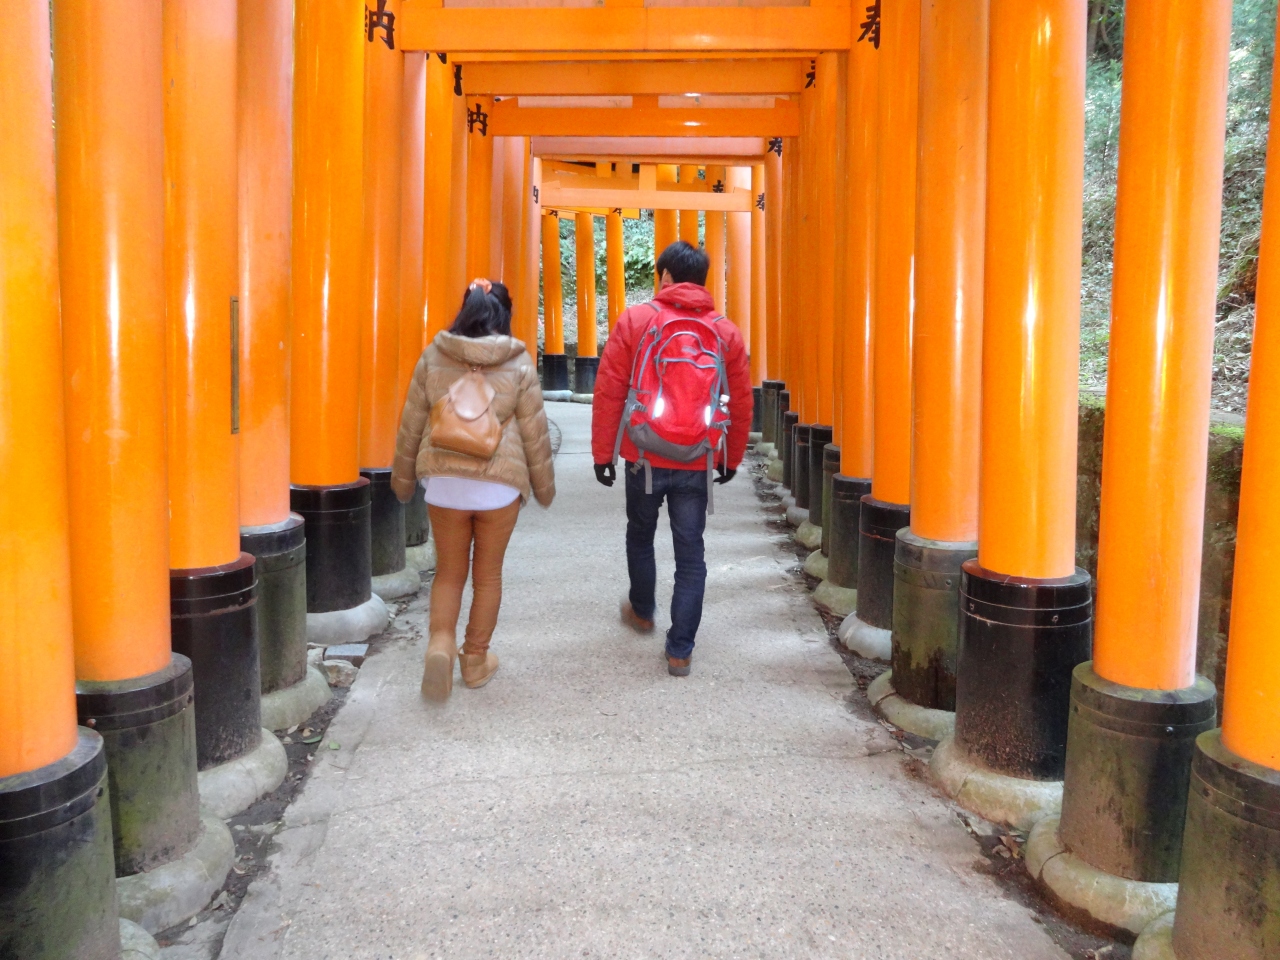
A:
[402,583]
[581,397]
[807,535]
[1126,907]
[1156,942]
[767,450]
[136,943]
[560,396]
[354,625]
[1012,801]
[176,891]
[866,640]
[796,515]
[774,470]
[902,713]
[421,558]
[233,787]
[283,708]
[815,565]
[839,601]
[755,437]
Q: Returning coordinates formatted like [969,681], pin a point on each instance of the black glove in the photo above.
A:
[606,473]
[725,473]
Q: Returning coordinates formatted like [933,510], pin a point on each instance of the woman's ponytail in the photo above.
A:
[486,310]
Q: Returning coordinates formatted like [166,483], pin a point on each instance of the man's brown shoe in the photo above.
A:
[633,620]
[677,667]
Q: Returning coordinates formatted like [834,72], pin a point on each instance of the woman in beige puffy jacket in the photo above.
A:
[472,500]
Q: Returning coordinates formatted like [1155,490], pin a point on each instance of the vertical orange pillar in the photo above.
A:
[37,711]
[265,34]
[827,161]
[479,183]
[413,111]
[110,125]
[773,214]
[1013,682]
[737,297]
[886,509]
[787,269]
[327,283]
[1228,898]
[459,167]
[513,192]
[380,298]
[497,206]
[805,398]
[947,351]
[552,288]
[441,246]
[531,254]
[665,228]
[759,310]
[853,482]
[59,894]
[689,218]
[715,245]
[588,356]
[1168,214]
[615,261]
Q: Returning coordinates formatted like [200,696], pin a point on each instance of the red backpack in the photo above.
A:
[677,404]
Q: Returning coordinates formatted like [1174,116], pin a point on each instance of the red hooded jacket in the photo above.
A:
[613,379]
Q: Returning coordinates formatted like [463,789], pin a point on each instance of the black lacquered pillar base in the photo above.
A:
[1020,640]
[769,415]
[584,374]
[386,524]
[1129,755]
[757,410]
[800,464]
[214,613]
[57,873]
[555,372]
[878,526]
[148,728]
[281,552]
[339,557]
[830,467]
[789,420]
[819,436]
[417,528]
[841,532]
[1229,884]
[926,617]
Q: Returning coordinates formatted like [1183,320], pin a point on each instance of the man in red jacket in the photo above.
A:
[682,272]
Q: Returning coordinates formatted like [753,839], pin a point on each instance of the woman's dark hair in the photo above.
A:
[486,309]
[685,262]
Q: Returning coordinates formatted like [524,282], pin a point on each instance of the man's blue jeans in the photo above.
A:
[686,494]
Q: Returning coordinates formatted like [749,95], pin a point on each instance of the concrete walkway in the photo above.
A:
[585,804]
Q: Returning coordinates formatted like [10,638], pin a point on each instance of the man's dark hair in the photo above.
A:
[483,312]
[685,262]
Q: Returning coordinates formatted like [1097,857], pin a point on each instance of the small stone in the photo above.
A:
[353,652]
[339,673]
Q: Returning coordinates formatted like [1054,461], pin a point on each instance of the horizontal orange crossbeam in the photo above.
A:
[460,30]
[555,196]
[629,77]
[569,213]
[511,120]
[728,151]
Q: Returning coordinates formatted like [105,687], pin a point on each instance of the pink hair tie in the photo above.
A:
[482,283]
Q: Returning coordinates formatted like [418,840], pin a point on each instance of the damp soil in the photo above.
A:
[1000,850]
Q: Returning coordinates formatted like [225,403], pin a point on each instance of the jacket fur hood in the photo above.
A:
[487,351]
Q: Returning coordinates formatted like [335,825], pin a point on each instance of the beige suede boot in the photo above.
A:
[437,669]
[477,668]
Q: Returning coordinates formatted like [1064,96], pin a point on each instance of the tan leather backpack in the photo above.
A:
[463,421]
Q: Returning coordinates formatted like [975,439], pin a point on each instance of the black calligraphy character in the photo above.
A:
[776,145]
[618,211]
[478,118]
[457,79]
[760,202]
[871,26]
[381,19]
[718,187]
[444,57]
[553,213]
[535,194]
[811,76]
